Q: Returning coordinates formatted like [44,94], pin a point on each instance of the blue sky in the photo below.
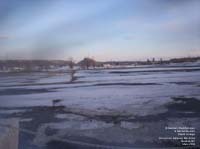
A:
[102,29]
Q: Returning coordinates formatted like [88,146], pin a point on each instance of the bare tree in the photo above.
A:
[86,63]
[72,71]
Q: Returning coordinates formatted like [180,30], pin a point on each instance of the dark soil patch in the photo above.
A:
[22,91]
[64,145]
[180,107]
[50,131]
[184,83]
[112,118]
[185,105]
[39,115]
[54,144]
[143,71]
[124,84]
[41,84]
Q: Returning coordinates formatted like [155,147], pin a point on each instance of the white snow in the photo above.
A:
[99,93]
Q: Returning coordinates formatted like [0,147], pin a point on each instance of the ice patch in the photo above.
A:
[83,125]
[26,120]
[70,117]
[129,125]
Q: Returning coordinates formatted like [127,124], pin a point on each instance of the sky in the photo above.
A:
[102,29]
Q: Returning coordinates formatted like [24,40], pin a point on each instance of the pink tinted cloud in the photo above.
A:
[4,37]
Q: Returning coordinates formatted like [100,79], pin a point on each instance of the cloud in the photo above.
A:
[4,37]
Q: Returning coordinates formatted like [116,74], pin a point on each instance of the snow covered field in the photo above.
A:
[111,107]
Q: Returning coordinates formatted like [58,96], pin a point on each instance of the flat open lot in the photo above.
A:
[113,107]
